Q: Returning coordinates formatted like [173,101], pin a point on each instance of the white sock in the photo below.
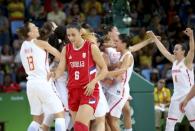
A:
[34,126]
[130,129]
[67,118]
[60,124]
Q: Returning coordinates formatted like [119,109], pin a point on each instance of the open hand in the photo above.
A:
[182,105]
[89,88]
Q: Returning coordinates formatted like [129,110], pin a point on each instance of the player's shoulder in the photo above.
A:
[94,46]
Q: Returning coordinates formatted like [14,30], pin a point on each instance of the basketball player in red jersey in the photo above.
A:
[80,57]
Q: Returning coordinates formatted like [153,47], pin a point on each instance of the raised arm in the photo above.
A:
[161,47]
[140,45]
[190,56]
[46,46]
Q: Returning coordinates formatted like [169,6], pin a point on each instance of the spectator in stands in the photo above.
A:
[57,15]
[106,6]
[21,76]
[6,58]
[156,26]
[183,10]
[145,58]
[75,14]
[16,50]
[49,3]
[145,62]
[16,9]
[140,37]
[191,18]
[8,85]
[171,12]
[36,10]
[19,72]
[6,55]
[154,76]
[162,97]
[88,4]
[4,30]
[93,19]
[175,29]
[3,7]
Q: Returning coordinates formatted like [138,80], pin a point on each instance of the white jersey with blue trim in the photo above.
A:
[34,60]
[183,79]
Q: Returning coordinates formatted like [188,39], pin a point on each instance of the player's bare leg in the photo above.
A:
[113,123]
[127,116]
[83,117]
[98,124]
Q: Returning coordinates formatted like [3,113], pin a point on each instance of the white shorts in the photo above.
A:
[176,115]
[63,92]
[117,96]
[43,97]
[102,106]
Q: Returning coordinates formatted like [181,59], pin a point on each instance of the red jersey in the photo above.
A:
[80,64]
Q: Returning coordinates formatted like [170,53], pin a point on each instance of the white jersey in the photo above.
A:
[183,79]
[34,60]
[128,73]
[122,87]
[113,55]
[118,94]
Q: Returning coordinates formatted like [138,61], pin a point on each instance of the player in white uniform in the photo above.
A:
[183,80]
[40,93]
[118,95]
[62,91]
[114,57]
[56,37]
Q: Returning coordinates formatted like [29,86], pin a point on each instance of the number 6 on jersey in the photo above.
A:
[76,75]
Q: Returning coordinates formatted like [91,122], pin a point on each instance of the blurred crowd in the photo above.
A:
[166,18]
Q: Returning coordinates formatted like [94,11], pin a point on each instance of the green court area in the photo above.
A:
[14,111]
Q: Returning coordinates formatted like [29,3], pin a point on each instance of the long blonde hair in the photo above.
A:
[89,36]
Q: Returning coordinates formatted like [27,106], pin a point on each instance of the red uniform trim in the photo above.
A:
[122,93]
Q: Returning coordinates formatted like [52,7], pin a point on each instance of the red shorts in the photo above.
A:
[76,97]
